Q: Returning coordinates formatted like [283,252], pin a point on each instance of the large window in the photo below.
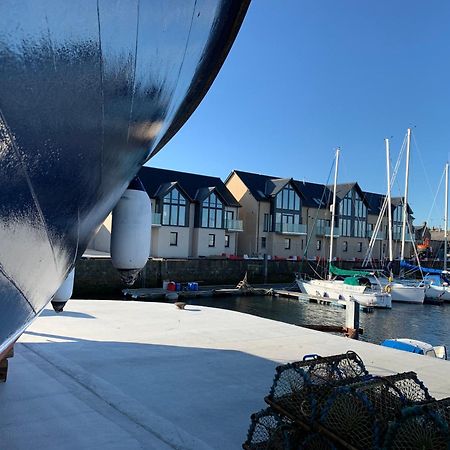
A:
[345,226]
[345,205]
[397,225]
[174,209]
[287,210]
[212,212]
[352,215]
[360,217]
[287,198]
[398,214]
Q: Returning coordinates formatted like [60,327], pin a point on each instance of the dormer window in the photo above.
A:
[174,209]
[352,215]
[212,212]
[398,214]
[288,199]
[287,212]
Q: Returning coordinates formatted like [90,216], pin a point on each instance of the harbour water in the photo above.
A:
[428,323]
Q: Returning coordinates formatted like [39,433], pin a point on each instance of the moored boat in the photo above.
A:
[355,286]
[414,346]
[345,290]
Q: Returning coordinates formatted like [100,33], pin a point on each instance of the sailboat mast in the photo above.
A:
[405,201]
[389,202]
[333,207]
[446,217]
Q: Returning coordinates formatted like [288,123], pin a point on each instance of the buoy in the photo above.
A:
[131,232]
[64,293]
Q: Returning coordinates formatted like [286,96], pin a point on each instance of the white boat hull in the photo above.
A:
[407,294]
[337,291]
[438,293]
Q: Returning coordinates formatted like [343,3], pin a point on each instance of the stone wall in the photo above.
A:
[97,278]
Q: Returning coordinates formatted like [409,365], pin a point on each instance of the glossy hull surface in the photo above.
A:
[89,90]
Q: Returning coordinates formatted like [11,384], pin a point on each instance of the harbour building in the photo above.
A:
[192,216]
[251,215]
[288,218]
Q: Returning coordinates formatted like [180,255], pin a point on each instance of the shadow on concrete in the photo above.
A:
[209,393]
[78,315]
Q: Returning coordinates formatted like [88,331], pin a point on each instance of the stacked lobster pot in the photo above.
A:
[333,402]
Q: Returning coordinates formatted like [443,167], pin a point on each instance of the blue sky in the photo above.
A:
[306,76]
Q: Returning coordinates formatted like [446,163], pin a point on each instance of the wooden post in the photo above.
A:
[352,319]
[4,365]
[265,268]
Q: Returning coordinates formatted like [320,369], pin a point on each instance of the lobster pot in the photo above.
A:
[131,232]
[425,426]
[270,431]
[360,413]
[316,441]
[64,292]
[300,389]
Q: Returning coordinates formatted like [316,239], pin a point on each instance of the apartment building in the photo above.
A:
[192,216]
[288,218]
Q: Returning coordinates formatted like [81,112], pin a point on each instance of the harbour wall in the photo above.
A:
[97,278]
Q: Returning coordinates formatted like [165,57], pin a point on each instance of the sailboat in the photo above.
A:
[437,288]
[401,290]
[353,287]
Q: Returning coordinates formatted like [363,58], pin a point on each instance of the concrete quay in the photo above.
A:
[135,375]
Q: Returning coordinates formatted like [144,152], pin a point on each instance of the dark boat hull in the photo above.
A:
[89,90]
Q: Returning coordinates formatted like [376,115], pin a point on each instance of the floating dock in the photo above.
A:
[136,375]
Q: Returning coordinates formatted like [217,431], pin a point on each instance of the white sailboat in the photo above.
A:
[353,288]
[435,291]
[401,290]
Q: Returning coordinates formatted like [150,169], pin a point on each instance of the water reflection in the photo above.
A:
[427,323]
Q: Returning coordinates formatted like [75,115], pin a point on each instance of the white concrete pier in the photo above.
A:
[130,375]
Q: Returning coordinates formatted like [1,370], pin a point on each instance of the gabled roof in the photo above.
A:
[262,187]
[343,188]
[396,201]
[375,202]
[256,183]
[193,185]
[273,186]
[316,195]
[163,189]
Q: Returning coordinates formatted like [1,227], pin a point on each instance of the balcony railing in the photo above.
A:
[290,228]
[326,231]
[156,219]
[380,235]
[234,225]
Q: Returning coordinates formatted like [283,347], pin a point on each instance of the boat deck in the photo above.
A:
[135,375]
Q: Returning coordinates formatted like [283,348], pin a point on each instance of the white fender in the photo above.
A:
[131,231]
[64,292]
